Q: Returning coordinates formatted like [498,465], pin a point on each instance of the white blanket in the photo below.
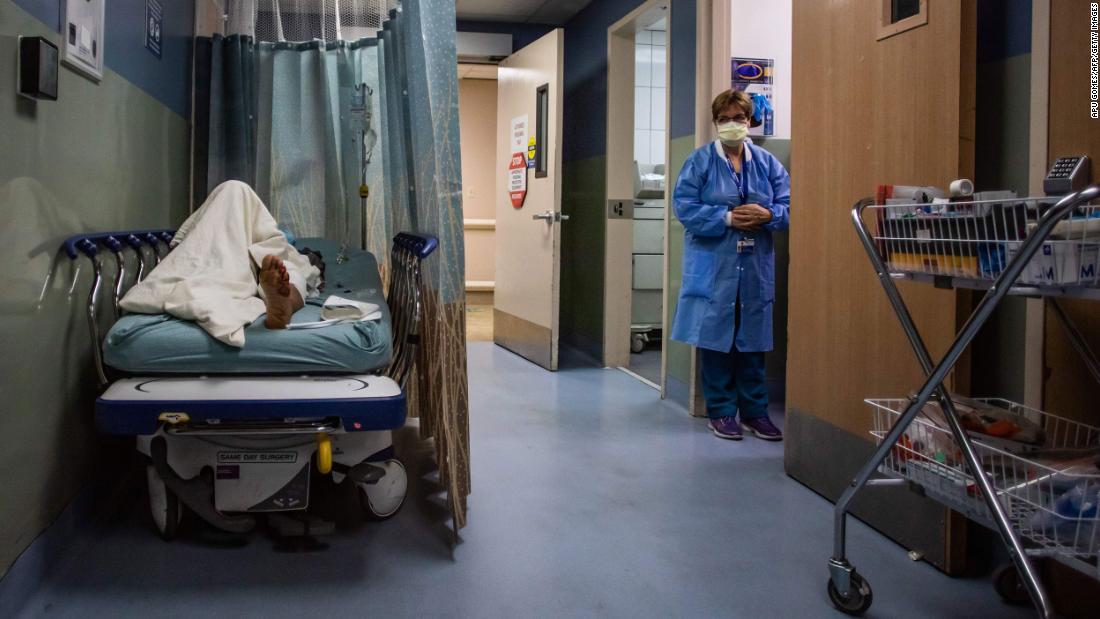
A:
[210,275]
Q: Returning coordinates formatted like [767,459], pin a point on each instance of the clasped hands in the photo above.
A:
[748,217]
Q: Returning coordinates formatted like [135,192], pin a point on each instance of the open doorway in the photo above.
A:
[638,194]
[477,105]
[648,250]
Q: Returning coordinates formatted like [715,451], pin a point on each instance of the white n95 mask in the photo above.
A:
[732,133]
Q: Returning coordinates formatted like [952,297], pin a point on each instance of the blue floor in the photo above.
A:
[592,498]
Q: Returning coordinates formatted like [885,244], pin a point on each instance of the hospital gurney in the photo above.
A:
[1039,488]
[230,444]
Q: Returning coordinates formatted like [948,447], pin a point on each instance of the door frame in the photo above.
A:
[1035,309]
[712,43]
[619,237]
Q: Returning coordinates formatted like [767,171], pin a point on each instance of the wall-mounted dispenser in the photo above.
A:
[37,68]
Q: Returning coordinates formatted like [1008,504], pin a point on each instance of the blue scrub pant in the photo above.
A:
[734,381]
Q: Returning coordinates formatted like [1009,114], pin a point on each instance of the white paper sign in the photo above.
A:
[519,134]
[82,32]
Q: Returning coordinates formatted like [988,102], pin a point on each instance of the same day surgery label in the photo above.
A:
[262,457]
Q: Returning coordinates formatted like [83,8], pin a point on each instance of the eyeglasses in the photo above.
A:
[740,118]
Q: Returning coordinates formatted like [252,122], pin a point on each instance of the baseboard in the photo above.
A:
[677,392]
[479,297]
[576,350]
[777,389]
[826,458]
[570,356]
[95,502]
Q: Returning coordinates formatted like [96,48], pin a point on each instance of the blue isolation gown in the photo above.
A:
[716,277]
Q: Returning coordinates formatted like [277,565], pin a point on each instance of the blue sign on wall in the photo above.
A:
[154,16]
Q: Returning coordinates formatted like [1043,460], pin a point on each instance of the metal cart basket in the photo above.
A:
[1029,475]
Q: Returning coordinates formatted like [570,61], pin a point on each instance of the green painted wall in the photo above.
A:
[1001,162]
[1003,124]
[583,199]
[777,360]
[104,156]
[679,355]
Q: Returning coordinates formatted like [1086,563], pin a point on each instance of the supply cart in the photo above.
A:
[1029,475]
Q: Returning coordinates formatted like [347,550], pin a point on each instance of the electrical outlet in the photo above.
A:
[620,209]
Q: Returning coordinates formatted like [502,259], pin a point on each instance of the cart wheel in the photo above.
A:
[637,343]
[164,505]
[859,596]
[384,498]
[1009,585]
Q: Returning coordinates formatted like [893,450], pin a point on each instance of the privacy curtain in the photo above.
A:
[308,122]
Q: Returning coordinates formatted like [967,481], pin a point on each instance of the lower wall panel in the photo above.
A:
[826,458]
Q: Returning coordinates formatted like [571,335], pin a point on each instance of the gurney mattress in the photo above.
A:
[161,344]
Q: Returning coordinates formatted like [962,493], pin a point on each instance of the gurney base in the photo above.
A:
[296,524]
[196,493]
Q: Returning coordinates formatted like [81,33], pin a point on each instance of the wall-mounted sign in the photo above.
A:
[531,152]
[519,134]
[754,76]
[154,32]
[517,179]
[83,33]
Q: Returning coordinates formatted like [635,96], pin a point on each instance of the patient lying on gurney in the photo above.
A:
[229,265]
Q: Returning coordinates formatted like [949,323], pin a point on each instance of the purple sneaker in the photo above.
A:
[726,427]
[762,427]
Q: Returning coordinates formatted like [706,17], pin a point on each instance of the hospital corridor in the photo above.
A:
[516,308]
[587,511]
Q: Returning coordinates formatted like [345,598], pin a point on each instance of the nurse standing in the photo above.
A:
[731,196]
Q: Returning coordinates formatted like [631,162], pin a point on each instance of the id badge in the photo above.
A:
[746,246]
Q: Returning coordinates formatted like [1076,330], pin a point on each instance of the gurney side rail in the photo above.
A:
[89,245]
[409,250]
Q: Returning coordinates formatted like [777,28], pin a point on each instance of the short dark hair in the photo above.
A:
[728,98]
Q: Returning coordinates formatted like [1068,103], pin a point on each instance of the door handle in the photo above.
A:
[551,216]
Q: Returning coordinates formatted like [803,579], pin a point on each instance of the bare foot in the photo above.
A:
[282,299]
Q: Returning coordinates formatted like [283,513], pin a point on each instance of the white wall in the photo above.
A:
[649,96]
[763,30]
[477,109]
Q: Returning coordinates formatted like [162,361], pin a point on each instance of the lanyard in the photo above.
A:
[737,179]
[746,244]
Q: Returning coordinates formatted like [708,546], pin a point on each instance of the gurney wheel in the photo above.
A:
[164,505]
[859,596]
[384,498]
[1009,585]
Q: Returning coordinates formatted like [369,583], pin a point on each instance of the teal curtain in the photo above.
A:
[310,157]
[291,119]
[432,102]
[426,68]
[223,119]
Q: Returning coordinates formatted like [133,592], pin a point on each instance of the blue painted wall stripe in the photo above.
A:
[584,133]
[682,63]
[1004,29]
[47,11]
[167,79]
